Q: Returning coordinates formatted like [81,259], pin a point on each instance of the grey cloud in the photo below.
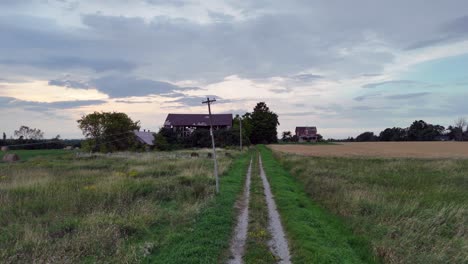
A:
[454,30]
[407,96]
[299,113]
[197,100]
[396,83]
[125,86]
[133,102]
[69,84]
[167,2]
[307,77]
[9,102]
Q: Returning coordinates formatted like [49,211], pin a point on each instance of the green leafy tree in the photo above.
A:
[366,136]
[108,131]
[422,131]
[287,136]
[264,124]
[25,132]
[458,130]
[393,134]
[246,127]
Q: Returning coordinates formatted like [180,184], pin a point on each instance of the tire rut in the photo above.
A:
[239,238]
[278,244]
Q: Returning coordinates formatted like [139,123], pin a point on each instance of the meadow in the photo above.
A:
[411,210]
[123,207]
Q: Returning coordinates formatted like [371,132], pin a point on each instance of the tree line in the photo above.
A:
[33,138]
[419,130]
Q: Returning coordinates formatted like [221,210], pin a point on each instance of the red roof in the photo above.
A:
[197,120]
[306,131]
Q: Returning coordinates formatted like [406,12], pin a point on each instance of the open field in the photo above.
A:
[381,149]
[411,210]
[28,154]
[124,207]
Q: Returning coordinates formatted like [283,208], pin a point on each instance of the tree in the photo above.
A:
[319,138]
[106,131]
[458,128]
[393,134]
[246,127]
[25,132]
[366,136]
[264,125]
[287,136]
[4,136]
[422,131]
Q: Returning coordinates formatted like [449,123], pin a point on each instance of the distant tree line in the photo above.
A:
[419,130]
[33,138]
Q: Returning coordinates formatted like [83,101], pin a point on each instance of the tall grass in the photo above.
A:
[412,211]
[66,209]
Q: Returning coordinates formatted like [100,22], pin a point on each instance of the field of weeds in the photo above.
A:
[411,210]
[107,208]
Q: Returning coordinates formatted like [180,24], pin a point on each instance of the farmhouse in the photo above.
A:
[306,134]
[185,124]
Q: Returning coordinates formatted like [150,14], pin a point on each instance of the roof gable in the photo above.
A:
[144,137]
[198,120]
[306,130]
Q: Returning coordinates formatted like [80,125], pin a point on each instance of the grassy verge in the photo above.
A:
[315,236]
[412,211]
[257,250]
[112,208]
[207,238]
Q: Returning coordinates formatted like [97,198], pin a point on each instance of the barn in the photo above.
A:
[307,134]
[185,124]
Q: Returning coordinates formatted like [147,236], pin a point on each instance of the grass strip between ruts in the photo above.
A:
[207,241]
[314,235]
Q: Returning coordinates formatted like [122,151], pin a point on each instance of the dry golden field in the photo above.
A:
[381,149]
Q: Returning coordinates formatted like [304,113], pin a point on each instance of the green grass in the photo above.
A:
[257,249]
[126,207]
[315,236]
[206,239]
[411,210]
[28,154]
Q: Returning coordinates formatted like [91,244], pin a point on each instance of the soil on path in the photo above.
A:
[278,244]
[240,233]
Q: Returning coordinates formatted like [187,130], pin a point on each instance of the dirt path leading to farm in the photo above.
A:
[240,233]
[278,244]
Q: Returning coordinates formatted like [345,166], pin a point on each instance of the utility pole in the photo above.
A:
[240,125]
[208,101]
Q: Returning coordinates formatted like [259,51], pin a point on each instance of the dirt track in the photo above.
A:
[240,233]
[381,149]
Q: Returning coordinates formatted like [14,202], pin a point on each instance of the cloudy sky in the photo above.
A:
[343,66]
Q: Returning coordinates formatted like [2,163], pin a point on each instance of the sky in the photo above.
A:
[343,66]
